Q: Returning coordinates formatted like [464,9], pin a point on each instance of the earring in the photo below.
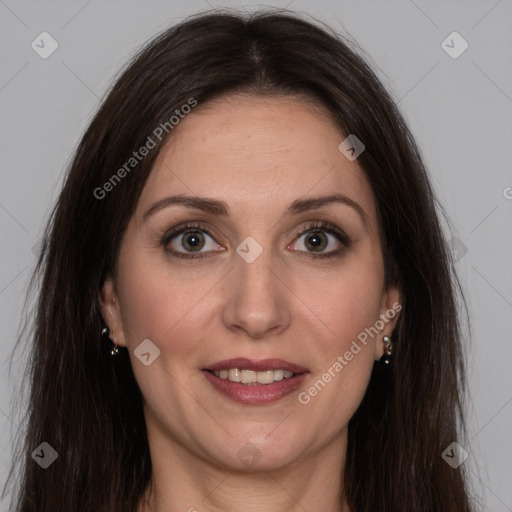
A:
[388,349]
[114,349]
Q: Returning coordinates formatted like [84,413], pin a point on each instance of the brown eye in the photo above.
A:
[316,241]
[323,242]
[192,240]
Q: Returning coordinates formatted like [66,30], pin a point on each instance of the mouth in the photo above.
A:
[255,382]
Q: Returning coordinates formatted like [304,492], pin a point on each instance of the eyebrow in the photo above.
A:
[220,208]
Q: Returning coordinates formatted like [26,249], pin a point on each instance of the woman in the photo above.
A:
[246,299]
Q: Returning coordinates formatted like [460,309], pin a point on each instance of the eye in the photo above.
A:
[190,241]
[321,239]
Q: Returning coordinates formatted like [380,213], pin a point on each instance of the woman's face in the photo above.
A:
[242,283]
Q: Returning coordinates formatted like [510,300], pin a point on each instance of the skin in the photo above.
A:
[257,155]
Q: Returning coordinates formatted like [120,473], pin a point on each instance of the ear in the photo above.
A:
[389,313]
[111,312]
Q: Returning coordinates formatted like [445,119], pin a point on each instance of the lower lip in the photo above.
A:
[255,394]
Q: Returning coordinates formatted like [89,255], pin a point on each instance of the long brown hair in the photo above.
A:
[89,407]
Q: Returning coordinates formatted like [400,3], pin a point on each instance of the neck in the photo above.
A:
[183,481]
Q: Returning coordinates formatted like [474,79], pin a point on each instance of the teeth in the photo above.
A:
[279,374]
[247,377]
[251,377]
[265,377]
[234,375]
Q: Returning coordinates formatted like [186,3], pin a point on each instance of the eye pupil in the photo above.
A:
[193,240]
[316,240]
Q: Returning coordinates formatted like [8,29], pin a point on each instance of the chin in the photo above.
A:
[259,455]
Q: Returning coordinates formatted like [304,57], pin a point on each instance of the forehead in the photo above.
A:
[256,151]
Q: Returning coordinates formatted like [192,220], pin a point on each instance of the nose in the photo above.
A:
[258,301]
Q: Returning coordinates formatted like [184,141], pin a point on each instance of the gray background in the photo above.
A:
[458,109]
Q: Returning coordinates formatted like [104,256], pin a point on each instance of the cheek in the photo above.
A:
[354,296]
[354,307]
[163,307]
[345,357]
[161,303]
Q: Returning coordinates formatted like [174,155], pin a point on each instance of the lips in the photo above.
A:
[250,394]
[260,365]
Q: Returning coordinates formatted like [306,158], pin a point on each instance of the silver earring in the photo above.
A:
[114,349]
[388,349]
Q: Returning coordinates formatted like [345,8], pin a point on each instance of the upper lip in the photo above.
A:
[242,363]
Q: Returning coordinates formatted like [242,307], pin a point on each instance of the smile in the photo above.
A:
[255,381]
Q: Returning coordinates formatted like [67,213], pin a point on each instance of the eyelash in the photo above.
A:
[331,229]
[324,226]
